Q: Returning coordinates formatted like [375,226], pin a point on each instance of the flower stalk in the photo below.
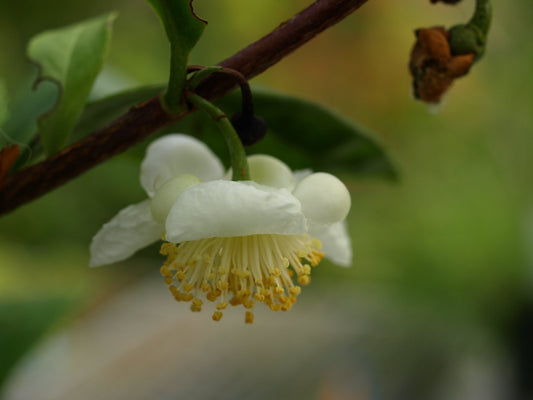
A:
[171,99]
[482,16]
[200,73]
[239,164]
[250,127]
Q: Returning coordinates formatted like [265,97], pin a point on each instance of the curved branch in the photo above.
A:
[148,117]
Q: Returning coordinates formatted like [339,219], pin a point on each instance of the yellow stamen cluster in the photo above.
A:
[240,270]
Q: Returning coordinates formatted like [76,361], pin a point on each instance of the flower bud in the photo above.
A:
[270,171]
[324,198]
[167,194]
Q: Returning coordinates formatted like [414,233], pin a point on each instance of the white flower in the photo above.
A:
[238,242]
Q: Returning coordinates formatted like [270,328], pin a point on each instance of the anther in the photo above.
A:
[295,290]
[217,316]
[304,280]
[249,317]
[275,307]
[212,296]
[248,304]
[180,275]
[197,302]
[259,297]
[235,301]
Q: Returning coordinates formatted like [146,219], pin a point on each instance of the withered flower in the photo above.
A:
[433,65]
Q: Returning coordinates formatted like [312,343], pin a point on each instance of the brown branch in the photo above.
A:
[147,118]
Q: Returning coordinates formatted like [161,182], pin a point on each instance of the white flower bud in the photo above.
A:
[269,171]
[324,198]
[167,194]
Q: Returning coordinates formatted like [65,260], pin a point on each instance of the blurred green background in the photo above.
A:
[443,266]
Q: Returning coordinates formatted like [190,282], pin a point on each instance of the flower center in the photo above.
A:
[240,270]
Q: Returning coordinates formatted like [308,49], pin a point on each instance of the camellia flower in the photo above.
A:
[231,242]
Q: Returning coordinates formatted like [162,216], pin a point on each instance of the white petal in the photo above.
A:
[227,208]
[177,154]
[130,230]
[336,243]
[325,199]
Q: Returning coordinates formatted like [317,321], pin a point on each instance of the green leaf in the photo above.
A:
[21,125]
[332,140]
[72,58]
[183,29]
[22,323]
[302,133]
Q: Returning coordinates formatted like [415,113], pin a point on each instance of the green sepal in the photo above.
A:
[465,38]
[472,36]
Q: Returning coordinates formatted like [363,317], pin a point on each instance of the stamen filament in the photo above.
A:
[240,270]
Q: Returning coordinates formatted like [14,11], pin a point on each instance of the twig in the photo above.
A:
[147,118]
